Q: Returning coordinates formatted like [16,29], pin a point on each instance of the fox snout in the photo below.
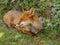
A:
[18,25]
[24,23]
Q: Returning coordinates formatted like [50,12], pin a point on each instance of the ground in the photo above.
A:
[14,37]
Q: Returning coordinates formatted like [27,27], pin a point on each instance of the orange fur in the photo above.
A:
[11,18]
[27,17]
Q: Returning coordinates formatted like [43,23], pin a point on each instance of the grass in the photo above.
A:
[14,37]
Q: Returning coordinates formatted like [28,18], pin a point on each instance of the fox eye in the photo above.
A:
[21,19]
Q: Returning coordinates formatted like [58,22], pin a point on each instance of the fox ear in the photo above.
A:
[32,11]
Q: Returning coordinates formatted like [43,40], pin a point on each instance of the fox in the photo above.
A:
[27,22]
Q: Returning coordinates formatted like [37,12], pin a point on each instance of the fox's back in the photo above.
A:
[12,13]
[11,17]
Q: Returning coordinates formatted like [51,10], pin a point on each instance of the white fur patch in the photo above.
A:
[24,23]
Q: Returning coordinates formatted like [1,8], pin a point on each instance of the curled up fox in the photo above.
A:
[27,22]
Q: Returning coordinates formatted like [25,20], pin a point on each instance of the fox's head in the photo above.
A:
[30,19]
[28,15]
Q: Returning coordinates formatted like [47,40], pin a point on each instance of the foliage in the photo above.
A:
[51,28]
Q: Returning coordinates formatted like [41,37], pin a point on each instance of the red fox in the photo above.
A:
[28,22]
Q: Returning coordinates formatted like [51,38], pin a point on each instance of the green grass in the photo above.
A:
[14,37]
